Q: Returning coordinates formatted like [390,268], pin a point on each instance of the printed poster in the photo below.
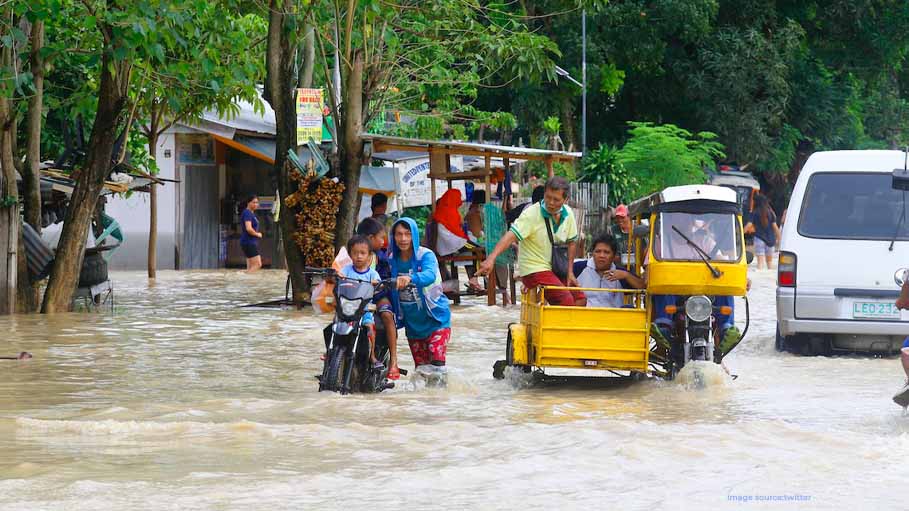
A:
[309,115]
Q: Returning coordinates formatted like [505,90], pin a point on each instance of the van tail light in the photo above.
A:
[786,270]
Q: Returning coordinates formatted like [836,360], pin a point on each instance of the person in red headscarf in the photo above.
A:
[450,236]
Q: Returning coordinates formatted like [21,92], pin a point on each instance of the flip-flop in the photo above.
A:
[475,289]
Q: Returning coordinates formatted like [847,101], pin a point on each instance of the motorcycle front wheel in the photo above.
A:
[333,375]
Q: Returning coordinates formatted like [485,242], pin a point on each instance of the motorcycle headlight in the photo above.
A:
[698,308]
[349,307]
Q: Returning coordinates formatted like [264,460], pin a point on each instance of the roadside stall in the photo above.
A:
[441,172]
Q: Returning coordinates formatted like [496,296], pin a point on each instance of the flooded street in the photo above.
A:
[183,400]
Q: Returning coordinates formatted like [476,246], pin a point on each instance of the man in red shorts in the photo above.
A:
[530,232]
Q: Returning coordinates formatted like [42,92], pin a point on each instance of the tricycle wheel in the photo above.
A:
[498,369]
[509,349]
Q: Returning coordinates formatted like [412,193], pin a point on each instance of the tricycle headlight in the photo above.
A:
[349,307]
[698,308]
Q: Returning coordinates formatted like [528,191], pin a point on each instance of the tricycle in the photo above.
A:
[688,243]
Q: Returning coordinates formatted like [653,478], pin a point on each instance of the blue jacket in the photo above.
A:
[431,311]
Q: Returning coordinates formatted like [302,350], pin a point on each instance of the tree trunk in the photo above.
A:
[28,293]
[112,96]
[31,175]
[307,58]
[351,149]
[279,92]
[9,216]
[153,205]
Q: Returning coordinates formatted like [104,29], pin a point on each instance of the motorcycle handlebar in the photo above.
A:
[331,272]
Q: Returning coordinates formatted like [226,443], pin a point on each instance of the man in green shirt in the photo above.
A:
[529,231]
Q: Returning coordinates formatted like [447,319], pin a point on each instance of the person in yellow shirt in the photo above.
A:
[531,232]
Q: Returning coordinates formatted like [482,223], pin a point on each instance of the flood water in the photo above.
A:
[182,400]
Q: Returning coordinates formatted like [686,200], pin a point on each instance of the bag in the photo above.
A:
[323,293]
[559,255]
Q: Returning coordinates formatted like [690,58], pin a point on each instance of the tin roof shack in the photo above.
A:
[212,166]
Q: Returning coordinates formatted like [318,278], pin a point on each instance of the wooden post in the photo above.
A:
[448,168]
[549,167]
[506,166]
[491,282]
[9,244]
[432,182]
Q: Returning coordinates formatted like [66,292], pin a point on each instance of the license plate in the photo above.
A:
[875,310]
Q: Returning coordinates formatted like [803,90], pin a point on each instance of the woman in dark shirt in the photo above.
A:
[249,235]
[766,231]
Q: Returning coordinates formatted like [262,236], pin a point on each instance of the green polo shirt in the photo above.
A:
[534,248]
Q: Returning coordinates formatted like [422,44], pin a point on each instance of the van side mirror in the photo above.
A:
[900,179]
[641,231]
[749,256]
[901,276]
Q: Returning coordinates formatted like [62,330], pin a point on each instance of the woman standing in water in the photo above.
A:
[250,235]
[423,307]
[766,232]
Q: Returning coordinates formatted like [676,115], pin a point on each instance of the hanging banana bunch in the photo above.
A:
[314,205]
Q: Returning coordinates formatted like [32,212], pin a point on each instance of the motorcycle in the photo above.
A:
[695,334]
[690,239]
[347,367]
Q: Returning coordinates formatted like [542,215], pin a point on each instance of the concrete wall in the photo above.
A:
[133,215]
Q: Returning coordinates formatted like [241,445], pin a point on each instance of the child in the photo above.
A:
[358,249]
[374,232]
[601,272]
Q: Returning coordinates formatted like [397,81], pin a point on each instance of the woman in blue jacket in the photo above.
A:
[422,308]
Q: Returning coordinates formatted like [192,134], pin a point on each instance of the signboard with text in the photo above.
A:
[415,184]
[309,115]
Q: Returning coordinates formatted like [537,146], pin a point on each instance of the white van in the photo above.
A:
[846,235]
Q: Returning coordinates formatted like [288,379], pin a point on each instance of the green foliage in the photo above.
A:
[746,106]
[552,126]
[431,58]
[139,157]
[602,165]
[611,79]
[666,155]
[185,56]
[420,214]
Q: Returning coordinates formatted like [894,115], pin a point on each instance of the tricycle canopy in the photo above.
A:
[688,198]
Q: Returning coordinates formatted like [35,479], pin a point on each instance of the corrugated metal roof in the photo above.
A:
[247,119]
[423,146]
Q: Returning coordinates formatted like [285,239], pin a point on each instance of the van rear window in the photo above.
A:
[853,205]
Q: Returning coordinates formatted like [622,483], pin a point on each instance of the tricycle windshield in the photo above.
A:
[684,236]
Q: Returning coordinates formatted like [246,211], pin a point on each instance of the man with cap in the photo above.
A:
[620,231]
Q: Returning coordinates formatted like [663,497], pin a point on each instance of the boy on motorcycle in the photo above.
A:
[358,249]
[374,232]
[421,305]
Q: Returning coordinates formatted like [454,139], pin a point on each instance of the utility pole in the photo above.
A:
[584,82]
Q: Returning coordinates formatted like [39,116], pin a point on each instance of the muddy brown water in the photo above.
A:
[183,400]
